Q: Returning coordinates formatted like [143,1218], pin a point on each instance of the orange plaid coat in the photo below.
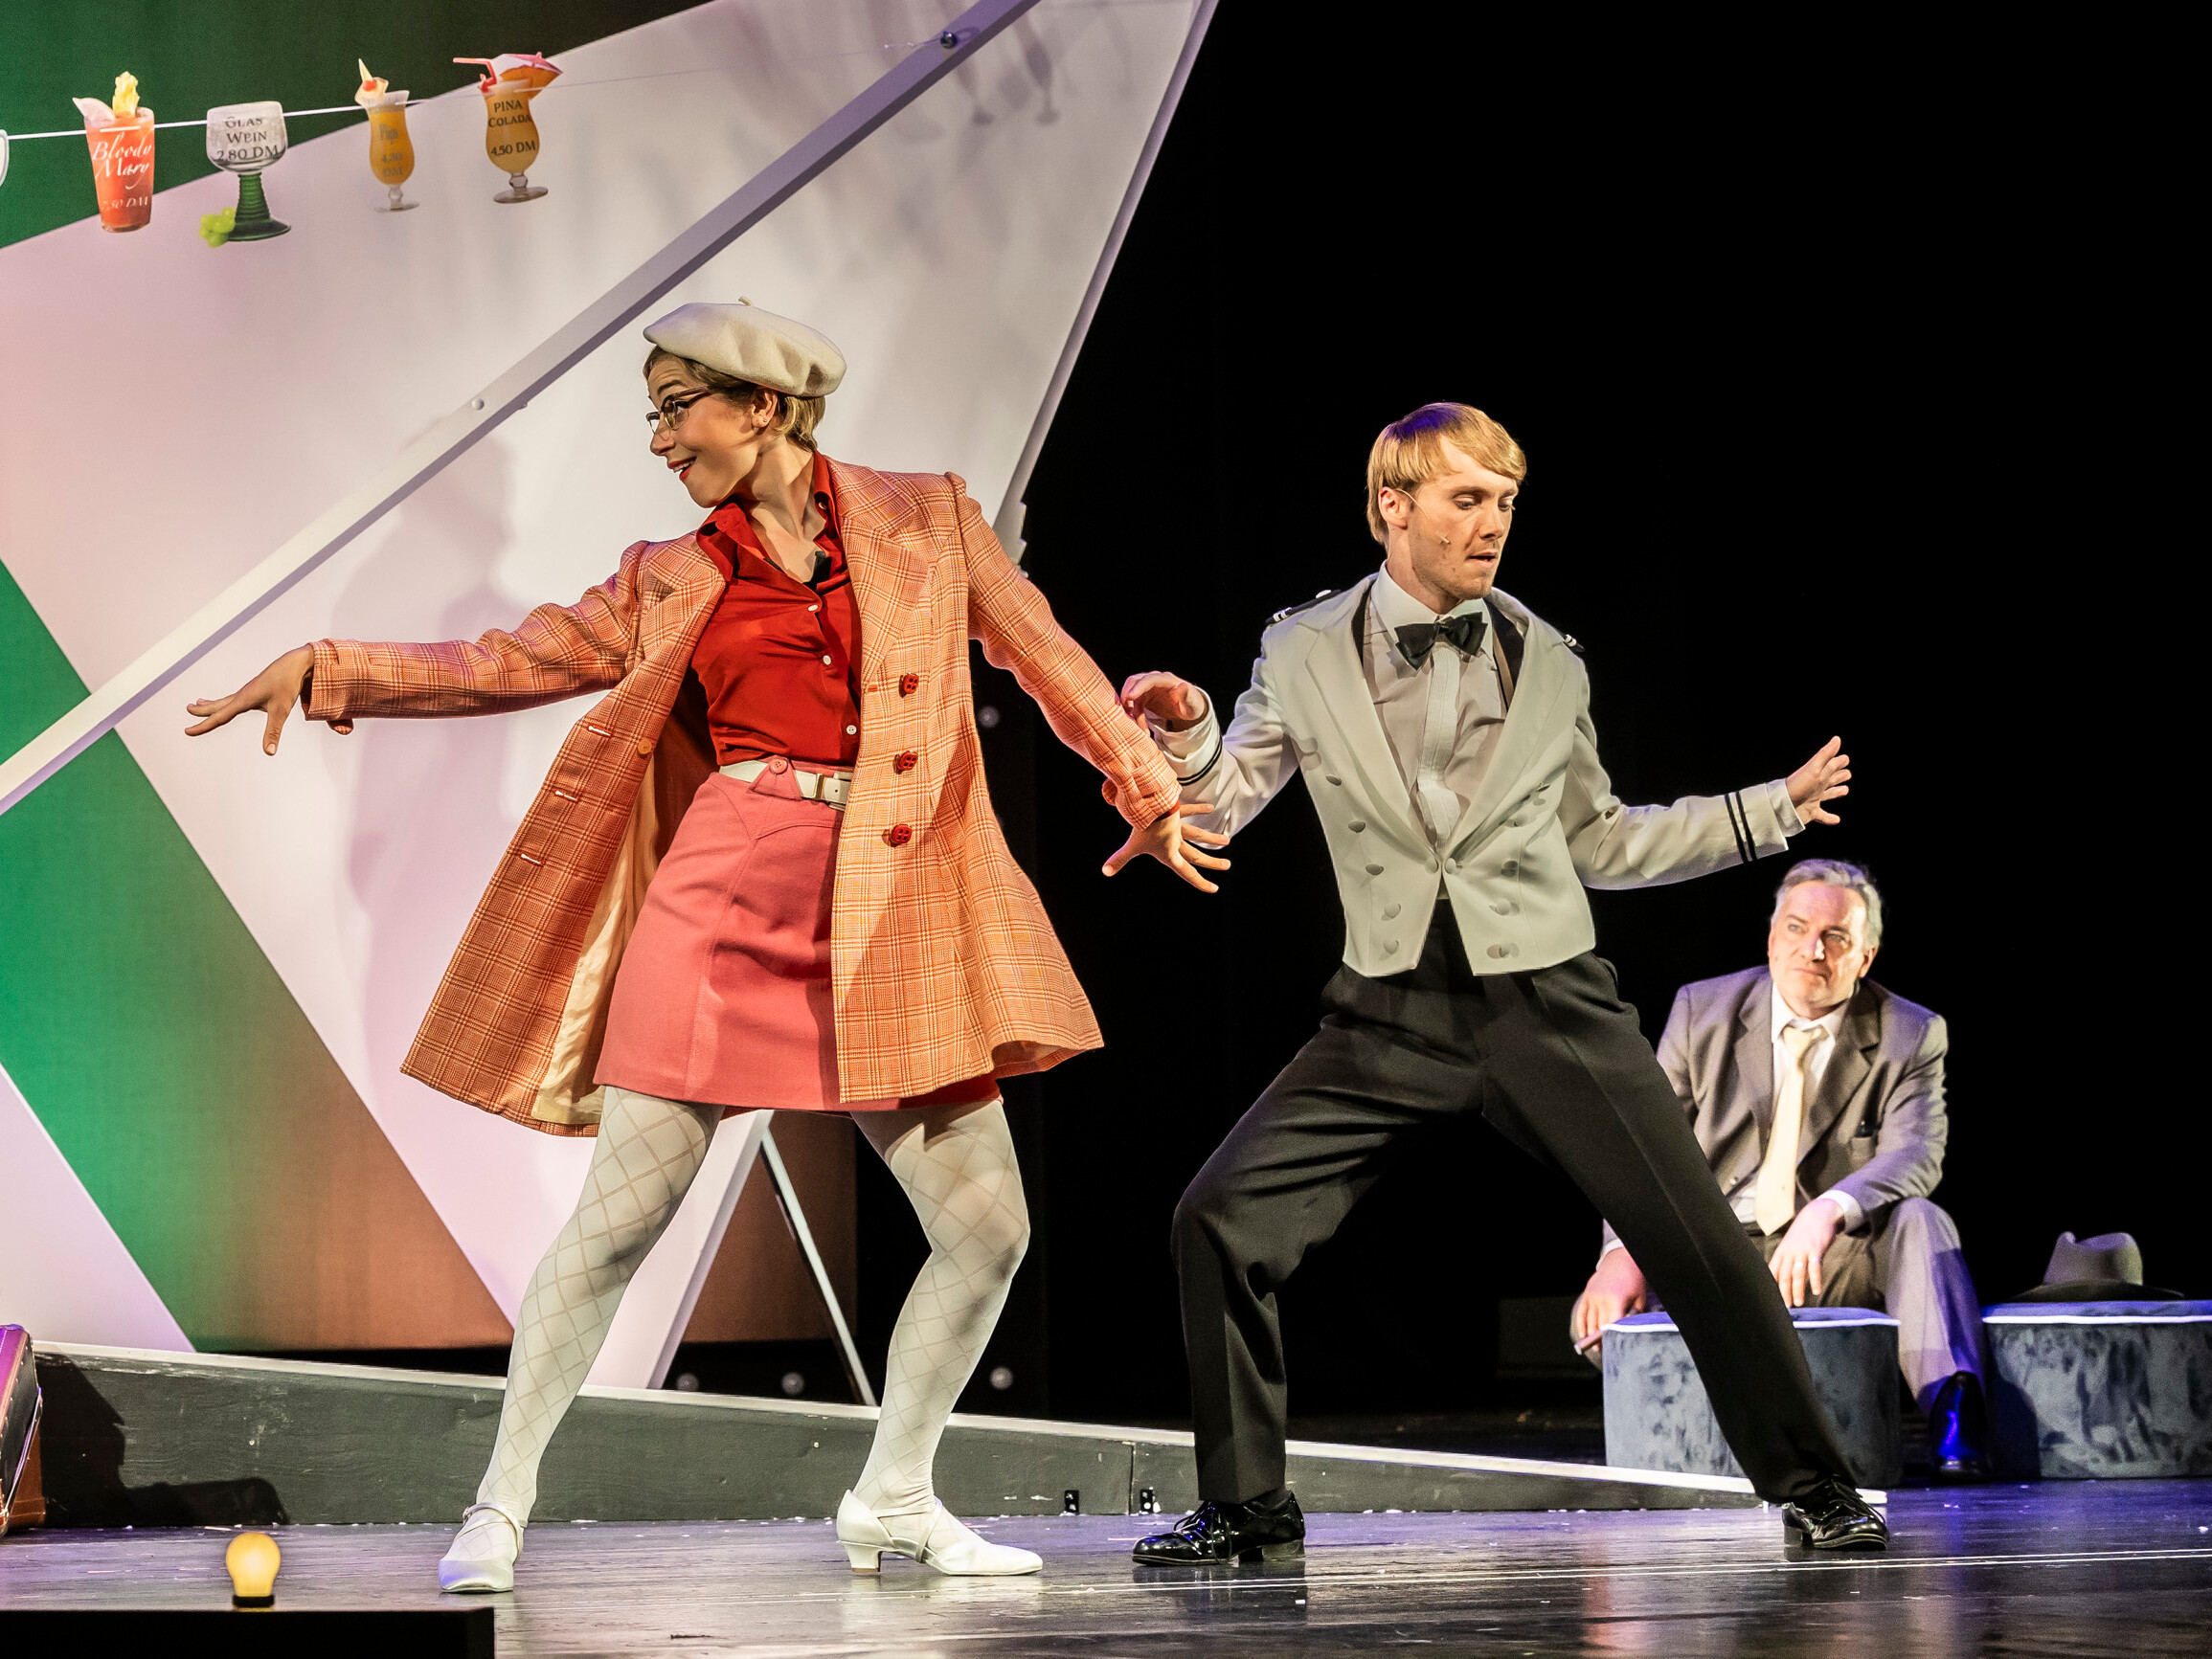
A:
[943,965]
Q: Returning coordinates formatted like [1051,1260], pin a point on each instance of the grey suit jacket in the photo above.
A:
[1543,823]
[1875,1126]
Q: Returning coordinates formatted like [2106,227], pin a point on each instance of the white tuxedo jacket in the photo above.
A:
[1544,822]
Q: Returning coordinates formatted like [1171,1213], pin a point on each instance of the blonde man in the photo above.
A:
[1444,732]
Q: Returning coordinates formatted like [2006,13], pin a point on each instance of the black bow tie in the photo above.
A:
[1416,640]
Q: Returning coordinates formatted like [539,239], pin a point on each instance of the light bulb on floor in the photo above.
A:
[252,1561]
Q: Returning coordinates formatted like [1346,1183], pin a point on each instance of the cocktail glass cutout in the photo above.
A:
[119,135]
[511,137]
[390,150]
[244,138]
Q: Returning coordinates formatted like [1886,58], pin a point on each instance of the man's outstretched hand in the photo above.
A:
[1175,845]
[275,690]
[1168,698]
[1825,777]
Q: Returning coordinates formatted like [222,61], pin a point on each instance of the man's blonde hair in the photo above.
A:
[1409,453]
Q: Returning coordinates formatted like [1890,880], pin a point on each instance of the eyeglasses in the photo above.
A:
[670,414]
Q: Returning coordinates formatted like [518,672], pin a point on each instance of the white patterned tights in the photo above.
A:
[956,1165]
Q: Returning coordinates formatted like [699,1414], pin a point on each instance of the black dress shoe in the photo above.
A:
[1834,1516]
[1957,1430]
[1214,1533]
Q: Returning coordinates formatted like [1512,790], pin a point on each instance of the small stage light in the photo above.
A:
[252,1561]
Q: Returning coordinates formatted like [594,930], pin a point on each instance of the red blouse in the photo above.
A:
[778,657]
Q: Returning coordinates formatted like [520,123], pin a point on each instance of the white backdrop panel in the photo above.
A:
[947,256]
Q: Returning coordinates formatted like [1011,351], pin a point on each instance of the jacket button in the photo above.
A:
[1503,951]
[645,746]
[906,761]
[1332,778]
[1390,947]
[909,685]
[1359,824]
[898,835]
[1390,912]
[1374,869]
[777,763]
[1505,906]
[1509,869]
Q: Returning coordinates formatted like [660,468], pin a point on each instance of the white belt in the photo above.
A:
[830,786]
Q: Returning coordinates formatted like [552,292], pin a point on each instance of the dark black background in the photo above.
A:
[1823,357]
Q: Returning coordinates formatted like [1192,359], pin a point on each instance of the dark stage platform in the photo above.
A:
[2114,1568]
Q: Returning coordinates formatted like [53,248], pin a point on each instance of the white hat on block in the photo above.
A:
[753,345]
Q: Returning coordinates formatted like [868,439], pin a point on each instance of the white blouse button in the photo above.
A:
[825,662]
[853,731]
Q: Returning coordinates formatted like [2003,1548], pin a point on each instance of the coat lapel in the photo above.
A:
[1528,728]
[682,583]
[888,547]
[1754,1056]
[1339,684]
[1846,1073]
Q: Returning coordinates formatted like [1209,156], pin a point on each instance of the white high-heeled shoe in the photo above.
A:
[941,1543]
[481,1558]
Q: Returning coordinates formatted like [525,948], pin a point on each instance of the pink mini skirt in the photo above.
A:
[723,995]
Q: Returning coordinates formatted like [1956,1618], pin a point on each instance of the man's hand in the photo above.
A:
[1175,845]
[1796,1259]
[1174,703]
[274,691]
[1825,777]
[1615,1289]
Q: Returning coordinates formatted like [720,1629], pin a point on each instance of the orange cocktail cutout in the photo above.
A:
[511,137]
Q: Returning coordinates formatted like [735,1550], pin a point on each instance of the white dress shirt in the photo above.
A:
[1442,719]
[1744,1198]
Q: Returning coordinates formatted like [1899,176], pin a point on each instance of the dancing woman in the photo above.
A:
[763,872]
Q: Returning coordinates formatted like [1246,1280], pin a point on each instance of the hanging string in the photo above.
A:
[946,40]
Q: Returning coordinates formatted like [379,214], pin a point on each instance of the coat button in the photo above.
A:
[1505,906]
[645,746]
[1509,869]
[1332,778]
[898,835]
[906,761]
[1374,869]
[909,685]
[1359,824]
[1390,947]
[777,763]
[1501,951]
[1390,912]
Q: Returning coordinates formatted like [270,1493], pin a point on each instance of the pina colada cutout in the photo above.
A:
[390,151]
[509,135]
[121,135]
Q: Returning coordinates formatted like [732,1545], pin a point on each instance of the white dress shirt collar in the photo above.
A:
[1395,608]
[1779,1016]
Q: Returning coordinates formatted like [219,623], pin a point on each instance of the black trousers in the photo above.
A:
[1554,1060]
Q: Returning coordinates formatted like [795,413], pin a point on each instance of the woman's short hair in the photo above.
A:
[1836,873]
[795,418]
[1409,453]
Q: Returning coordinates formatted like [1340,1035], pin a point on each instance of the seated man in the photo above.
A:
[1805,1077]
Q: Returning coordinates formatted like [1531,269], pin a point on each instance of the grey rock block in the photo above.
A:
[2100,1390]
[1658,1414]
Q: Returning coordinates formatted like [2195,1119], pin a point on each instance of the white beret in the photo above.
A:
[753,345]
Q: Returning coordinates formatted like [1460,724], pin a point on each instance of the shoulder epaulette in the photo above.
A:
[1294,610]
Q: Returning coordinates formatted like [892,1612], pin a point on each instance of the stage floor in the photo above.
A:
[2090,1568]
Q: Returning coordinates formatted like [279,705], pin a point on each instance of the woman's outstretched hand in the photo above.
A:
[275,689]
[1175,845]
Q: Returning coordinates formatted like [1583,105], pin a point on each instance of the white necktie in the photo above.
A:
[1439,737]
[1775,1200]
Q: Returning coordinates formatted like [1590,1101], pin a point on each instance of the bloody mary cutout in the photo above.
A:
[120,137]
